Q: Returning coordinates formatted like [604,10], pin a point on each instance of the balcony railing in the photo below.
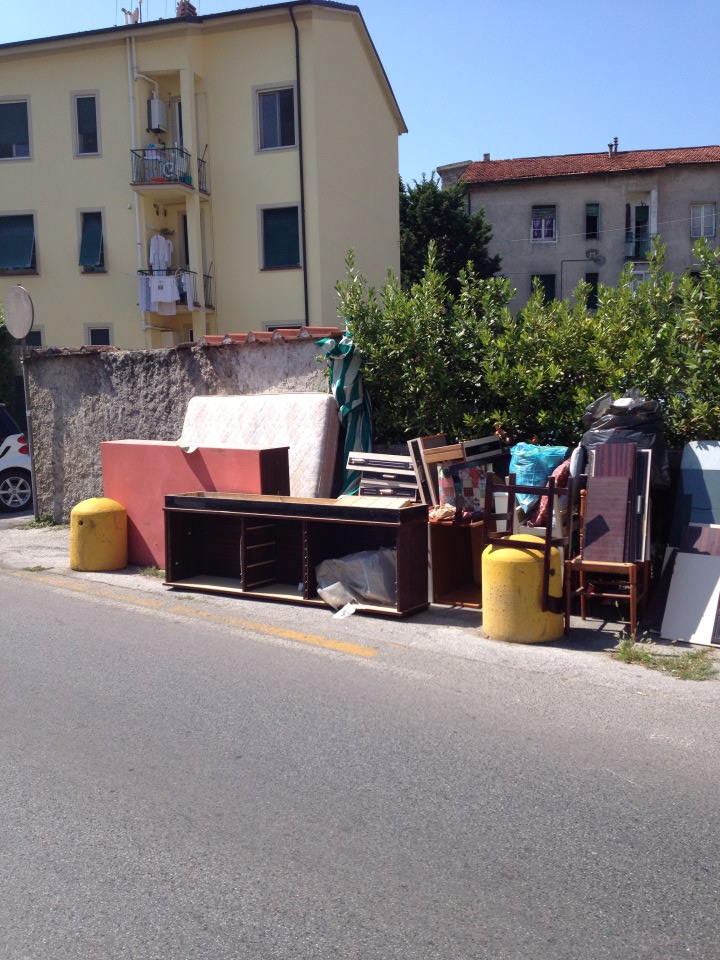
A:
[638,244]
[186,281]
[202,176]
[161,165]
[209,290]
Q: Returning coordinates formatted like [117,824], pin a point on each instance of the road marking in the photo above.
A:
[96,590]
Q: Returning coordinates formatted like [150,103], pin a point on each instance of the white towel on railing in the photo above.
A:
[164,294]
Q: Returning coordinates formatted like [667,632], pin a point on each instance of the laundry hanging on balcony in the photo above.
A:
[161,250]
[164,294]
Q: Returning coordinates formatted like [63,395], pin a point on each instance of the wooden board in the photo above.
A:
[620,460]
[606,509]
[426,475]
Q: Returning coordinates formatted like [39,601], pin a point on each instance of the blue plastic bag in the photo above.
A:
[532,466]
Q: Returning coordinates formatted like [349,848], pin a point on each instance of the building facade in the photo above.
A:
[577,217]
[164,180]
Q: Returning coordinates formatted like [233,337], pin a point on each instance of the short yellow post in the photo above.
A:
[98,535]
[512,584]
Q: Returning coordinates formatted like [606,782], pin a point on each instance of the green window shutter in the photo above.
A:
[14,136]
[91,244]
[17,242]
[281,239]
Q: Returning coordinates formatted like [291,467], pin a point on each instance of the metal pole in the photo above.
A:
[29,430]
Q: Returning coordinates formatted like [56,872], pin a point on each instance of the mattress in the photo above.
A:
[306,423]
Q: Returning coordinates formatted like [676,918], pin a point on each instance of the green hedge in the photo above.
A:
[465,365]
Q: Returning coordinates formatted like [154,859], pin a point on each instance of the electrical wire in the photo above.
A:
[602,233]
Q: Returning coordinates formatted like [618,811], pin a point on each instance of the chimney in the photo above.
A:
[486,157]
[185,9]
[615,145]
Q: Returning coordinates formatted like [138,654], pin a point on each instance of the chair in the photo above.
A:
[604,507]
[499,511]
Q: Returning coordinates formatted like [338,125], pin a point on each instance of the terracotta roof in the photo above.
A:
[582,164]
[281,335]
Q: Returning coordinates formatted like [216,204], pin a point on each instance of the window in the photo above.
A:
[14,130]
[592,300]
[640,274]
[34,339]
[543,224]
[276,118]
[280,238]
[17,244]
[547,282]
[87,137]
[97,336]
[92,246]
[592,220]
[702,220]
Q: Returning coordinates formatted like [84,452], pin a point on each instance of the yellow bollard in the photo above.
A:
[512,583]
[98,535]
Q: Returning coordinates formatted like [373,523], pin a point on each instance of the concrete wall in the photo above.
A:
[508,207]
[80,399]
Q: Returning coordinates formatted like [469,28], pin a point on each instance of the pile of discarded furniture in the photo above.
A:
[244,503]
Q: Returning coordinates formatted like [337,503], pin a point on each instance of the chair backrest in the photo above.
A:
[500,498]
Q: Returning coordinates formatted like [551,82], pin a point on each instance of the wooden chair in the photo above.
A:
[500,512]
[610,570]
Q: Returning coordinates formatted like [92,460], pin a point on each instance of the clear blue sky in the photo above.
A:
[512,78]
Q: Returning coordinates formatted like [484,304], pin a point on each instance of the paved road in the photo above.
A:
[188,780]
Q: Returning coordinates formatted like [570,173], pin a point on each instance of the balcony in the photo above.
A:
[166,171]
[186,289]
[638,244]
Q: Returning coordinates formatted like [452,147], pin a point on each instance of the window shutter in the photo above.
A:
[14,136]
[281,239]
[17,242]
[91,252]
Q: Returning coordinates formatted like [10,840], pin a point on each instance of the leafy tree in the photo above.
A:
[429,213]
[462,364]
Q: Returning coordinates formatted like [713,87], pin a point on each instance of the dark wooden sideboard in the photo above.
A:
[268,547]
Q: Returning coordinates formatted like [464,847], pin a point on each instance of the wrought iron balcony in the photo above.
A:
[161,165]
[638,244]
[209,290]
[202,176]
[186,288]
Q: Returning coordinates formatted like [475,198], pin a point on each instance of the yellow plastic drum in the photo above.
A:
[98,535]
[512,582]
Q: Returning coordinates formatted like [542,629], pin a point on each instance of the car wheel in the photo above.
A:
[15,490]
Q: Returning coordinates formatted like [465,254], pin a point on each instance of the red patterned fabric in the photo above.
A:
[561,474]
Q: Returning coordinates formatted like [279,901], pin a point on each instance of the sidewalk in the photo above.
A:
[48,549]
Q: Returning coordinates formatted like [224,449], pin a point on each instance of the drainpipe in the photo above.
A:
[133,142]
[302,166]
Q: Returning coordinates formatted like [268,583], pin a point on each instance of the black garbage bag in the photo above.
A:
[629,419]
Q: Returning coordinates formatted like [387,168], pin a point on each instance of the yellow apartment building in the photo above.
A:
[203,174]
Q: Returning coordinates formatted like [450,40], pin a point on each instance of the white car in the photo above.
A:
[15,466]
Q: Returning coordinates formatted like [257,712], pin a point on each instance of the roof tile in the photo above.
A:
[582,164]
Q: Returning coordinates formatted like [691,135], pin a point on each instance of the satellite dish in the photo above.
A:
[135,15]
[19,312]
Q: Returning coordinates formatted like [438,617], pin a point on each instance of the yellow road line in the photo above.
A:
[193,613]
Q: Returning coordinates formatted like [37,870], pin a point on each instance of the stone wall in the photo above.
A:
[79,398]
